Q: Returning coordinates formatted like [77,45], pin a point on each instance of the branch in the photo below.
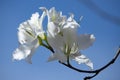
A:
[95,71]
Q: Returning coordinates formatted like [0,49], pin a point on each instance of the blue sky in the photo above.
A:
[106,31]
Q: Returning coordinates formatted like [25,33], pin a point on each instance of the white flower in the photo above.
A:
[55,20]
[61,35]
[55,17]
[28,33]
[65,41]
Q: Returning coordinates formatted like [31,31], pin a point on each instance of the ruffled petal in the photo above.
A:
[25,51]
[34,19]
[85,41]
[80,58]
[71,22]
[36,22]
[21,53]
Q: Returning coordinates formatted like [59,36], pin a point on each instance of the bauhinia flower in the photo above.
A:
[30,34]
[62,36]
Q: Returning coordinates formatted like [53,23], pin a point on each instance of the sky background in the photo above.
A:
[101,19]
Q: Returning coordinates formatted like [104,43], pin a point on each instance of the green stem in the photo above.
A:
[48,47]
[45,45]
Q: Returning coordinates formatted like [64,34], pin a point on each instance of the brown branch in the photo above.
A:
[95,71]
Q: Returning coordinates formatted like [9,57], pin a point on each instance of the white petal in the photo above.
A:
[85,41]
[42,18]
[55,42]
[34,21]
[56,17]
[52,57]
[57,56]
[70,36]
[21,53]
[53,29]
[82,59]
[28,58]
[25,51]
[71,22]
[39,29]
[32,46]
[24,37]
[52,12]
[34,18]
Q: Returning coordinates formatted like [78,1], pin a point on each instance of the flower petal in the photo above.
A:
[32,46]
[55,42]
[53,29]
[71,22]
[57,56]
[80,58]
[34,19]
[25,51]
[36,22]
[70,36]
[21,53]
[24,37]
[85,41]
[52,57]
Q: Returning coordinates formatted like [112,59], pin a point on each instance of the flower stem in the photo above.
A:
[94,71]
[48,47]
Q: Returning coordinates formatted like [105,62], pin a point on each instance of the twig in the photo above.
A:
[95,71]
[89,77]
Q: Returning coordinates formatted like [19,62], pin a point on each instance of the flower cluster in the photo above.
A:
[61,38]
